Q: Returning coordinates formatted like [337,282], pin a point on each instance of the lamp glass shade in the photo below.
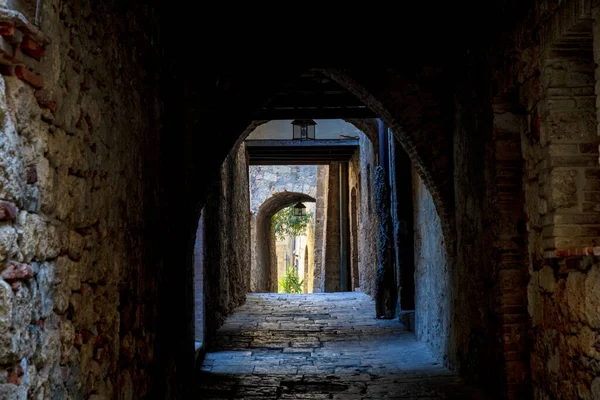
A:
[299,210]
[303,129]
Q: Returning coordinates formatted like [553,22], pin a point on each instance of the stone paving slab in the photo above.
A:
[321,346]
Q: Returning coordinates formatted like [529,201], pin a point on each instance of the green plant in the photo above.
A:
[290,282]
[286,224]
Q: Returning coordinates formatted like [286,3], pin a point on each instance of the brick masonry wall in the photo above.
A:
[554,86]
[78,117]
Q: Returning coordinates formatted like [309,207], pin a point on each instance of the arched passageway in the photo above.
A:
[264,270]
[112,142]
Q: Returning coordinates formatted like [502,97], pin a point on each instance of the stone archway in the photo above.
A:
[410,102]
[264,269]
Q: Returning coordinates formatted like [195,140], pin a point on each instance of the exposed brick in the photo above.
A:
[12,271]
[13,377]
[7,28]
[576,161]
[45,100]
[30,77]
[32,48]
[8,211]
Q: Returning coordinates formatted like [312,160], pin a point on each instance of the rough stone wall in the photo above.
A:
[266,180]
[554,82]
[368,220]
[564,303]
[227,242]
[432,273]
[362,251]
[78,115]
[562,205]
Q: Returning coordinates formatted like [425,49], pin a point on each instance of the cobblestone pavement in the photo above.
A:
[321,346]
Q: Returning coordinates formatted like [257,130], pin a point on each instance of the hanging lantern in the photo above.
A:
[299,210]
[304,129]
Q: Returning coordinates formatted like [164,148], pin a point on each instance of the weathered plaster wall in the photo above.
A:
[432,273]
[227,242]
[78,129]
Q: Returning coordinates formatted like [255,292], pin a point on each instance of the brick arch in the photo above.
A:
[265,269]
[412,106]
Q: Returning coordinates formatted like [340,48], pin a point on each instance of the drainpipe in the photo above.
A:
[385,284]
[344,230]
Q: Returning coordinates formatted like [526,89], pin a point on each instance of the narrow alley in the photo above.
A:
[321,346]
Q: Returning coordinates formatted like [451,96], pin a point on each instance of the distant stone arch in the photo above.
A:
[264,268]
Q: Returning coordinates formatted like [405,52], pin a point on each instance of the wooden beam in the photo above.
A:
[333,143]
[324,113]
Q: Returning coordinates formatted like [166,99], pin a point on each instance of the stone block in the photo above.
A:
[556,149]
[563,189]
[590,208]
[32,48]
[575,294]
[12,271]
[32,78]
[591,307]
[555,73]
[547,280]
[571,126]
[8,242]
